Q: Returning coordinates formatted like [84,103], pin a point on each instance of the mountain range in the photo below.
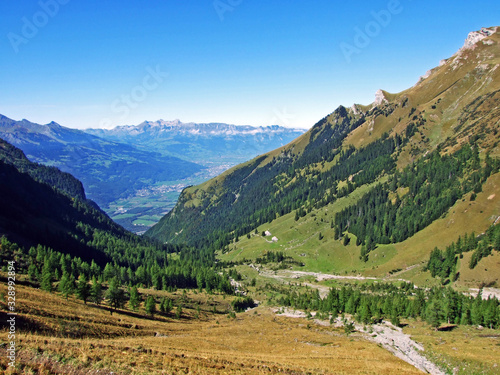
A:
[108,170]
[135,173]
[201,143]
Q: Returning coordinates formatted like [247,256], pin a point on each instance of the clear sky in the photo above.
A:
[258,62]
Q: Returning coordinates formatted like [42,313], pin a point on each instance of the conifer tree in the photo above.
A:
[33,272]
[66,285]
[96,291]
[433,313]
[115,295]
[336,234]
[150,306]
[347,239]
[47,277]
[83,288]
[134,300]
[178,312]
[489,313]
[166,305]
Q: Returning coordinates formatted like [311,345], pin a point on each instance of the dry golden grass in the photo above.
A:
[465,350]
[487,272]
[255,342]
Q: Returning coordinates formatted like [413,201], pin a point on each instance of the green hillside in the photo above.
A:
[381,178]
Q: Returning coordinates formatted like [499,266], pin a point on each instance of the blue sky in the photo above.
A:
[105,63]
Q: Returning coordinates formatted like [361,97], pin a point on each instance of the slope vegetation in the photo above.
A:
[403,163]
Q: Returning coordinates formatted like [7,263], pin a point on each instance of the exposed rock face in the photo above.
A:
[474,37]
[356,110]
[380,98]
[472,40]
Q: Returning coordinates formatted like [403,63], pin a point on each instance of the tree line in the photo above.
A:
[438,305]
[55,271]
[443,263]
[414,198]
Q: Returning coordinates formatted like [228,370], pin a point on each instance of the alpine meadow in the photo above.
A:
[367,242]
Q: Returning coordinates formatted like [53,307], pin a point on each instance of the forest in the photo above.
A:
[414,198]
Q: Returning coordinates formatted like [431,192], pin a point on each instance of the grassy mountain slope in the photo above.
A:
[342,157]
[64,336]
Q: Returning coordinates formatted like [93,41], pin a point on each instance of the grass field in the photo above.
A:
[55,335]
[464,350]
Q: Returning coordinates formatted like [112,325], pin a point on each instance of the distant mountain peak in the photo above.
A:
[211,129]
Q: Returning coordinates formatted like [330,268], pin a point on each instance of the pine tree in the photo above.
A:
[115,295]
[135,299]
[450,306]
[33,272]
[47,276]
[178,312]
[465,319]
[476,312]
[347,239]
[433,313]
[83,288]
[364,312]
[166,305]
[150,306]
[96,291]
[336,234]
[490,314]
[109,272]
[66,285]
[94,269]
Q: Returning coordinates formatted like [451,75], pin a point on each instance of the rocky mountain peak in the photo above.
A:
[380,98]
[476,36]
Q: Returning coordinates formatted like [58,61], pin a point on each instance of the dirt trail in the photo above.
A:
[390,337]
[319,276]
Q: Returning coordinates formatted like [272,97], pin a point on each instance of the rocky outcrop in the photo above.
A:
[476,36]
[380,98]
